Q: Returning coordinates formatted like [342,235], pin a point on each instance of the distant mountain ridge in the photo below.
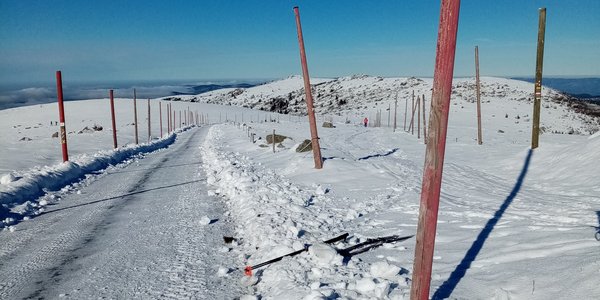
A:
[578,87]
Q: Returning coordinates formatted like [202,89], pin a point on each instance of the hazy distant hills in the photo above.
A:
[578,87]
[199,89]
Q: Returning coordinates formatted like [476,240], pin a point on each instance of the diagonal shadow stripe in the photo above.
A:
[446,289]
[122,196]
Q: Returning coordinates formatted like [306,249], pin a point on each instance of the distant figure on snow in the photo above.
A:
[366,121]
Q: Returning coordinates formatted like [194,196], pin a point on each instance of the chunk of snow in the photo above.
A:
[204,220]
[7,178]
[382,269]
[365,285]
[222,271]
[324,254]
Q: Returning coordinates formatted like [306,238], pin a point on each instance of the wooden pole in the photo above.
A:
[61,117]
[389,113]
[149,127]
[537,103]
[180,120]
[435,150]
[424,122]
[135,120]
[273,140]
[112,113]
[168,118]
[309,101]
[411,127]
[418,117]
[478,91]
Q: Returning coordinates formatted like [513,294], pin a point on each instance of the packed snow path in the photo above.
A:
[135,232]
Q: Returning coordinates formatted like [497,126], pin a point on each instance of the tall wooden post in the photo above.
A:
[135,120]
[309,101]
[180,121]
[112,113]
[478,91]
[61,116]
[273,140]
[435,150]
[424,122]
[418,117]
[411,127]
[537,102]
[149,126]
[160,117]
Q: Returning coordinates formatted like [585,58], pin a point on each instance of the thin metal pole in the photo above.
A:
[309,101]
[112,113]
[537,102]
[61,116]
[435,150]
[135,120]
[478,91]
[405,111]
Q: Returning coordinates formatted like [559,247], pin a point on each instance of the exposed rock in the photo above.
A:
[25,139]
[328,125]
[55,135]
[278,138]
[305,146]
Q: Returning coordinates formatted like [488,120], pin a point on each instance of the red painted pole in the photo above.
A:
[436,147]
[160,117]
[309,101]
[61,116]
[112,113]
[135,121]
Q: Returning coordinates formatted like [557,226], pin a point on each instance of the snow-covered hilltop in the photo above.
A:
[362,94]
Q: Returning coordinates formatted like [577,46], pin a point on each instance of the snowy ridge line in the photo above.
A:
[19,187]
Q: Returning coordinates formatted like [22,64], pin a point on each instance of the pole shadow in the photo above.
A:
[120,196]
[446,289]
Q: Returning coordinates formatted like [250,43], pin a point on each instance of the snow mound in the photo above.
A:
[325,255]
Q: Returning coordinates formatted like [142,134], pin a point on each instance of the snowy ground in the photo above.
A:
[513,224]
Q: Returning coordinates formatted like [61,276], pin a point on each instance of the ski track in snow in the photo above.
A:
[129,234]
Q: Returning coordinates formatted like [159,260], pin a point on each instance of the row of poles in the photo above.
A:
[438,126]
[435,139]
[194,117]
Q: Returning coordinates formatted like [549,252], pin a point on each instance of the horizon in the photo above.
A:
[93,42]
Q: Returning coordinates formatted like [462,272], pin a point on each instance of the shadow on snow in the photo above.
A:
[446,289]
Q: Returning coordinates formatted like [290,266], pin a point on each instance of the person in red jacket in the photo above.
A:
[366,121]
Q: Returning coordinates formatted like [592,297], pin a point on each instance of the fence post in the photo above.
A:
[424,122]
[273,140]
[418,117]
[537,102]
[135,120]
[435,150]
[112,113]
[309,101]
[61,117]
[478,91]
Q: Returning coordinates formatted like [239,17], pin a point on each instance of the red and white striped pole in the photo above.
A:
[112,113]
[436,147]
[61,116]
[309,101]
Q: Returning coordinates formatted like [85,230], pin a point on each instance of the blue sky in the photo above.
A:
[155,40]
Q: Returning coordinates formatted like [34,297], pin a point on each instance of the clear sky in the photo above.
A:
[157,39]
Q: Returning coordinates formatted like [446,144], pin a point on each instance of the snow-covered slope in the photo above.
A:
[361,94]
[513,223]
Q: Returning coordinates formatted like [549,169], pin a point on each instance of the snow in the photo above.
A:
[513,223]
